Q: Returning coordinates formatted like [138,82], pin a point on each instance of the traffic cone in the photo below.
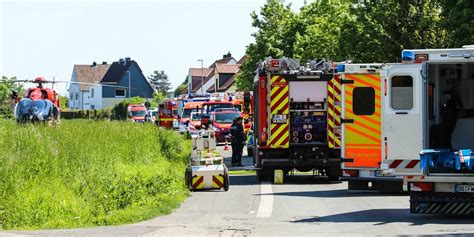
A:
[226,147]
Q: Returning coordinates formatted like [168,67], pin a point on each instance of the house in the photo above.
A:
[109,84]
[221,72]
[198,77]
[224,78]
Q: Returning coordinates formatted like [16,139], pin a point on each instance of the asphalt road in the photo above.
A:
[301,207]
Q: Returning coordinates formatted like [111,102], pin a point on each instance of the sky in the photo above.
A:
[46,38]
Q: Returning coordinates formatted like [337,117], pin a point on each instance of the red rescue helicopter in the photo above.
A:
[40,104]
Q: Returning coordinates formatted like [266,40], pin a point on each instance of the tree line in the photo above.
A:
[361,31]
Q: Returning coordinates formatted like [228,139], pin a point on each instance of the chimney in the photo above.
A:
[127,59]
[94,64]
[228,55]
[104,63]
[121,61]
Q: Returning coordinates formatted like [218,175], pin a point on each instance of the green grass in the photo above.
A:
[87,173]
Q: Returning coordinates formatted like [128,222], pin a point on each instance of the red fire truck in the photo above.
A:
[291,118]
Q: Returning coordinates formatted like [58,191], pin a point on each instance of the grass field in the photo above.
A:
[87,173]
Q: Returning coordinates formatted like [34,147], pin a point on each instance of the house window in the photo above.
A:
[92,92]
[92,106]
[119,92]
[363,101]
[77,96]
[402,92]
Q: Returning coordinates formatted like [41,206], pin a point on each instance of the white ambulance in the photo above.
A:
[390,116]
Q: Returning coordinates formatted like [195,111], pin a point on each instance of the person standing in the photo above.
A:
[238,140]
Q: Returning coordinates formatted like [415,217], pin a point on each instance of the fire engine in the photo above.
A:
[166,114]
[291,116]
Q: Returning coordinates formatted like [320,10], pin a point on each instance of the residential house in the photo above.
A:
[215,73]
[224,78]
[112,84]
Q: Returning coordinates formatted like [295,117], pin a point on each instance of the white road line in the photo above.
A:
[265,207]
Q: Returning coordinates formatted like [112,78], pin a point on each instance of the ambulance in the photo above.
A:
[424,105]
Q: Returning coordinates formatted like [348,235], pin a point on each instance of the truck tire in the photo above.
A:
[250,152]
[264,175]
[333,173]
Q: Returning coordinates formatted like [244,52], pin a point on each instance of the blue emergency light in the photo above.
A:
[408,56]
[341,67]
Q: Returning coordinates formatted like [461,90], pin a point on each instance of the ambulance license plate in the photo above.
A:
[464,188]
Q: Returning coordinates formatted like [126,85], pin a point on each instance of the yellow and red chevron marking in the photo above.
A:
[363,137]
[334,112]
[279,104]
[217,181]
[198,182]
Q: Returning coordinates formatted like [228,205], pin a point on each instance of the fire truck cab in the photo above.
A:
[291,112]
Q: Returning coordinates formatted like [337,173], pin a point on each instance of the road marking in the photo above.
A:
[265,207]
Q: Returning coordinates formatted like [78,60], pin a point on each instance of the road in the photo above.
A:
[301,207]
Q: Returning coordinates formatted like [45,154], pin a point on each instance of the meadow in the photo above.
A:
[88,173]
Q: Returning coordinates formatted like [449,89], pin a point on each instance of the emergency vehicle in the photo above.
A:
[165,113]
[420,107]
[136,112]
[359,129]
[291,116]
[189,107]
[243,100]
[442,124]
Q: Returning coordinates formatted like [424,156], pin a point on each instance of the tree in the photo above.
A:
[158,97]
[276,26]
[181,87]
[160,82]
[319,37]
[458,20]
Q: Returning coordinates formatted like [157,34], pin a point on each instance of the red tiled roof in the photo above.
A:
[198,72]
[242,60]
[88,74]
[222,61]
[227,68]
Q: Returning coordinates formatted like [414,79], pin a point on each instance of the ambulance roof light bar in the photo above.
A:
[411,57]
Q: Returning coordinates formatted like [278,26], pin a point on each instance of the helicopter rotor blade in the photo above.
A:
[16,81]
[93,84]
[70,82]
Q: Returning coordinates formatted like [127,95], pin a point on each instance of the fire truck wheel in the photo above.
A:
[250,152]
[333,173]
[187,178]
[226,180]
[263,175]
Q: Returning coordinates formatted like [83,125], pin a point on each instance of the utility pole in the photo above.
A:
[202,76]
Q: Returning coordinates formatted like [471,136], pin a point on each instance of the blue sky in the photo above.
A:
[48,37]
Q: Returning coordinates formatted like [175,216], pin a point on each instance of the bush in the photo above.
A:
[87,173]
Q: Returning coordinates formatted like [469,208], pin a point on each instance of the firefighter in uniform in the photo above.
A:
[238,141]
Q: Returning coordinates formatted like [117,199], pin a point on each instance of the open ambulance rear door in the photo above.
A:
[361,121]
[402,124]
